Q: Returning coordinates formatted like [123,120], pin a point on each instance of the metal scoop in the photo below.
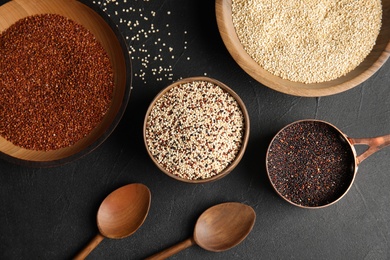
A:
[312,164]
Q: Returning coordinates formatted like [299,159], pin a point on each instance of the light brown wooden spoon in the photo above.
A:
[219,228]
[120,214]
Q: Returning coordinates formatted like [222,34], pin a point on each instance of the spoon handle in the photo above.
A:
[88,248]
[173,249]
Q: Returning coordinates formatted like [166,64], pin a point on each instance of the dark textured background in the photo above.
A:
[51,213]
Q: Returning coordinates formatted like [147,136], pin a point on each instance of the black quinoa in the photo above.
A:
[310,163]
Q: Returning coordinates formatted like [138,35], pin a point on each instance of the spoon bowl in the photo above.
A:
[121,214]
[224,226]
[219,228]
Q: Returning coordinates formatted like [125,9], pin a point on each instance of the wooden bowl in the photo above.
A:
[106,32]
[245,135]
[367,68]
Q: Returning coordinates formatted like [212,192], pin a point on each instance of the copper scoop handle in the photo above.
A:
[374,145]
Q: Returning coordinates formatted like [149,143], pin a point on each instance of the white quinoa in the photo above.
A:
[149,48]
[307,41]
[195,130]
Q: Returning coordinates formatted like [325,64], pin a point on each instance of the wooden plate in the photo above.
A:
[366,69]
[108,35]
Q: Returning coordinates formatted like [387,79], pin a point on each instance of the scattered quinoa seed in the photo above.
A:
[150,56]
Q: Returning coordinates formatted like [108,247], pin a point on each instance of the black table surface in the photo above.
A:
[50,213]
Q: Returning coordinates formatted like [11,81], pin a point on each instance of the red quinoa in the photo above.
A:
[56,82]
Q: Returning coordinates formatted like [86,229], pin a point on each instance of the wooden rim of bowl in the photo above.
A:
[245,137]
[372,63]
[107,33]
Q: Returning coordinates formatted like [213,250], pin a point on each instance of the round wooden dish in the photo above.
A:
[367,68]
[245,136]
[108,35]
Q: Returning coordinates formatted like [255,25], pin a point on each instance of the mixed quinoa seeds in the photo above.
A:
[307,41]
[195,130]
[56,82]
[310,164]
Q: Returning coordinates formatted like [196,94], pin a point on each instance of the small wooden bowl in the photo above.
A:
[108,35]
[377,57]
[245,136]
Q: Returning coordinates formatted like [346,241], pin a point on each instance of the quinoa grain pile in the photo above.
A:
[307,41]
[195,130]
[310,163]
[56,82]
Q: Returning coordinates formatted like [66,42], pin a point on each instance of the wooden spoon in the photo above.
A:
[121,213]
[219,228]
